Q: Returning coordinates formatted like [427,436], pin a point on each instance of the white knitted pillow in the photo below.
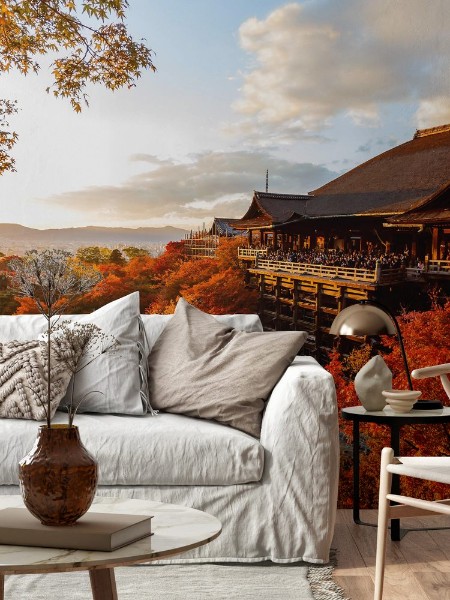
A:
[23,381]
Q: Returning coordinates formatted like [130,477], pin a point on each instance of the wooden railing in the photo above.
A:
[251,252]
[326,271]
[438,266]
[390,275]
[377,275]
[201,252]
[201,245]
[431,267]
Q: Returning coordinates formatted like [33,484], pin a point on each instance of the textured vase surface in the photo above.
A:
[58,477]
[374,377]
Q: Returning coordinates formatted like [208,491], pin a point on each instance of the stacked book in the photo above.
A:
[93,531]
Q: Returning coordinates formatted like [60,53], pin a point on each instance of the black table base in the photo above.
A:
[394,422]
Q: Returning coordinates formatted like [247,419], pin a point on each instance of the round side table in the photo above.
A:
[394,421]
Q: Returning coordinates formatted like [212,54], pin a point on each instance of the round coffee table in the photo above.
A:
[176,529]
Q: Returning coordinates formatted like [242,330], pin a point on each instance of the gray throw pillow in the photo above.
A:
[201,368]
[23,381]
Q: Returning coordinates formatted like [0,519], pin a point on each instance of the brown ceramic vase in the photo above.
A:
[58,477]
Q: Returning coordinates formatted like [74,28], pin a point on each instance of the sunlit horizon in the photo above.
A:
[193,140]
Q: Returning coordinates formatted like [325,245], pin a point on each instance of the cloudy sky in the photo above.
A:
[306,89]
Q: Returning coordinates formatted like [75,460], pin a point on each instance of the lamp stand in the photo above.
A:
[399,336]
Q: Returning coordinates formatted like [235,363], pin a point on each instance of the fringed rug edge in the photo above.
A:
[321,582]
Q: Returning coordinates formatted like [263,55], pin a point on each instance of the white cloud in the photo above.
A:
[434,111]
[311,61]
[210,184]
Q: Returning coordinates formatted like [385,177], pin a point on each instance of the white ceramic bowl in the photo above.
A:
[401,401]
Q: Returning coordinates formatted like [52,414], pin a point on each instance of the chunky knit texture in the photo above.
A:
[23,381]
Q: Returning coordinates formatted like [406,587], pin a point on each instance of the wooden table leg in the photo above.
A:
[103,584]
[2,587]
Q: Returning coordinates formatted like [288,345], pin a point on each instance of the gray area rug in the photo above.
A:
[177,582]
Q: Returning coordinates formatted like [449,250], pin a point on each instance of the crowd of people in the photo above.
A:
[352,259]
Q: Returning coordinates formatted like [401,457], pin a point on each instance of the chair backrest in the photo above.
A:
[441,371]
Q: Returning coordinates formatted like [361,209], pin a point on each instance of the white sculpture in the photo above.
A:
[438,370]
[374,377]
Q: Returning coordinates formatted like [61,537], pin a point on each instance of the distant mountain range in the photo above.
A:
[17,238]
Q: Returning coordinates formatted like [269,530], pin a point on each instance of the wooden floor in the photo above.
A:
[417,567]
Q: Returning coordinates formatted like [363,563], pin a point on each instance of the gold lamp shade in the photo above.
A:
[361,320]
[370,318]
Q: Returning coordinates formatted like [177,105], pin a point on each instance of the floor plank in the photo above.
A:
[417,567]
[357,588]
[436,585]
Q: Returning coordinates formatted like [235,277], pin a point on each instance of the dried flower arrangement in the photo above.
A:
[53,279]
[76,345]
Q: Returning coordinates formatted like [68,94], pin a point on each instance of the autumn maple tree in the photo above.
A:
[88,42]
[215,285]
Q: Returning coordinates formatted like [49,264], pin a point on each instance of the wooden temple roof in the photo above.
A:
[392,182]
[434,210]
[410,181]
[223,226]
[269,209]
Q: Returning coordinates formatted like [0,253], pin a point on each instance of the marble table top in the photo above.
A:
[176,529]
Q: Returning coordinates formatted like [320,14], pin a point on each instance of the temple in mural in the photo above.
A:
[398,200]
[379,231]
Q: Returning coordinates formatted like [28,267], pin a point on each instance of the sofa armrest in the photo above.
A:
[300,437]
[303,399]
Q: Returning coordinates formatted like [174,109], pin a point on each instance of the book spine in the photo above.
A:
[56,539]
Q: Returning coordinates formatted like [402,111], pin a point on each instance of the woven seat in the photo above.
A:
[433,468]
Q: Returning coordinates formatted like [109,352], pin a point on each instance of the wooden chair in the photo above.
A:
[432,468]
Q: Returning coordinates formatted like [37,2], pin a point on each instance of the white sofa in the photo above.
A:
[275,496]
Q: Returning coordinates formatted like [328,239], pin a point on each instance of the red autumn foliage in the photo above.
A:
[224,292]
[108,289]
[426,336]
[215,285]
[172,257]
[183,277]
[26,306]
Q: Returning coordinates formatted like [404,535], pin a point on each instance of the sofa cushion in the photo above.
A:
[120,375]
[28,327]
[21,327]
[154,325]
[117,374]
[162,450]
[23,381]
[202,368]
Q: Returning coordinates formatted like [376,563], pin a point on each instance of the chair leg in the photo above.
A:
[383,516]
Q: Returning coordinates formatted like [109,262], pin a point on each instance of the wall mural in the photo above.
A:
[126,127]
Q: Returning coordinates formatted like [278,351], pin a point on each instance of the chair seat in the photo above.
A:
[433,468]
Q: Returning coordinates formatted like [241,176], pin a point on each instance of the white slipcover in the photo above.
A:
[164,449]
[289,514]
